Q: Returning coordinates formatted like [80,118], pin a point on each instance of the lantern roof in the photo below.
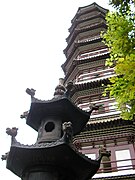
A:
[60,107]
[57,153]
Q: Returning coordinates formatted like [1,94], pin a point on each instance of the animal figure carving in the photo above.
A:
[5,156]
[12,132]
[67,131]
[31,92]
[24,115]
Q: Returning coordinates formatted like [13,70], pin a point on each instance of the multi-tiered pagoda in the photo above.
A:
[86,55]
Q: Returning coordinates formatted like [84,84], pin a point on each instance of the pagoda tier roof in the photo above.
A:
[76,31]
[78,21]
[84,60]
[106,131]
[104,118]
[108,124]
[91,84]
[60,107]
[93,39]
[57,154]
[88,8]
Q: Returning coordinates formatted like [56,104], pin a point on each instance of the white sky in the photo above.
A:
[32,39]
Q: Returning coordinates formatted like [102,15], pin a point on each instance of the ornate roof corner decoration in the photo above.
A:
[57,121]
[13,133]
[5,156]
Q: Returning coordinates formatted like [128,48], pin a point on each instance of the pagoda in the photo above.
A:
[86,55]
[53,156]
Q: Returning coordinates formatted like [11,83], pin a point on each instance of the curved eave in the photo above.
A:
[87,28]
[91,7]
[107,124]
[61,108]
[78,21]
[105,118]
[78,62]
[81,43]
[109,130]
[85,59]
[91,85]
[62,155]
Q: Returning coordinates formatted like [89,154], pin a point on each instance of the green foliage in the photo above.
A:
[120,39]
[122,5]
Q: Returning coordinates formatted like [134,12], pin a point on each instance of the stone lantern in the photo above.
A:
[53,156]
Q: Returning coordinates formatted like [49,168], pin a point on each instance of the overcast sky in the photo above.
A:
[32,39]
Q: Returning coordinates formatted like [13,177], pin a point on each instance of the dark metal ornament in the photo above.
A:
[53,156]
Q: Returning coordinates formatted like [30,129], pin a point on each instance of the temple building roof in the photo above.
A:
[94,57]
[86,9]
[108,124]
[91,85]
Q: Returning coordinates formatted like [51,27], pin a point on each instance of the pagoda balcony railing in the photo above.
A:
[116,166]
[84,104]
[92,54]
[84,40]
[88,39]
[96,75]
[105,106]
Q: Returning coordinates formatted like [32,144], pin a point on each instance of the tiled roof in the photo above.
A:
[92,84]
[108,124]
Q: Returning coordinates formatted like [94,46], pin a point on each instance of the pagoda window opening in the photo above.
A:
[95,73]
[123,159]
[49,127]
[92,54]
